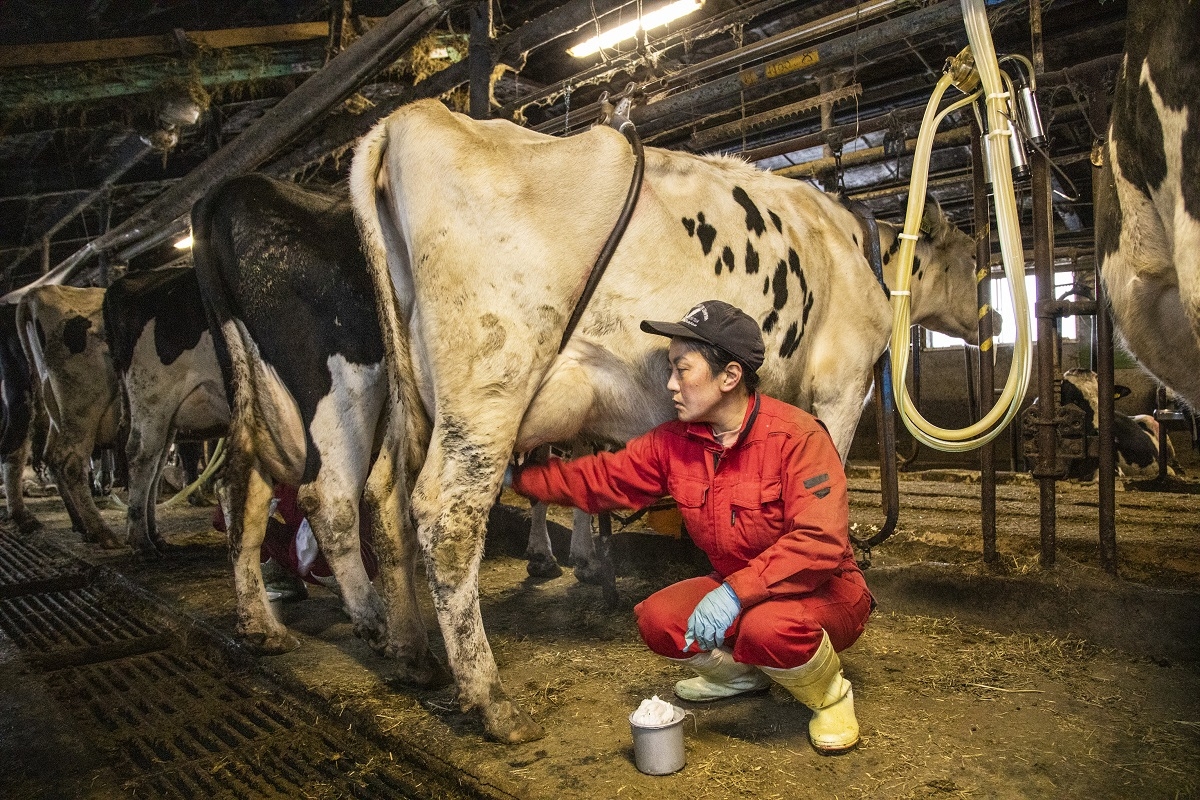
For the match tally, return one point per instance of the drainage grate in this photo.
(59, 629)
(185, 727)
(28, 568)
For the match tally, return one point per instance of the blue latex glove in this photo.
(712, 616)
(508, 477)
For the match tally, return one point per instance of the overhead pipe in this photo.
(377, 48)
(798, 66)
(141, 149)
(764, 48)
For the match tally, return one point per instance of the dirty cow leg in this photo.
(542, 563)
(453, 495)
(396, 548)
(14, 487)
(331, 505)
(245, 499)
(67, 461)
(588, 566)
(144, 451)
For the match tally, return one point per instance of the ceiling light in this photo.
(184, 243)
(654, 19)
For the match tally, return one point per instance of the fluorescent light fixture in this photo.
(184, 243)
(654, 19)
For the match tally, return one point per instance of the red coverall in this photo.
(771, 512)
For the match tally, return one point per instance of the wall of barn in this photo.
(943, 401)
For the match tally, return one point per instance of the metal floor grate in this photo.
(186, 727)
(58, 629)
(28, 568)
(179, 723)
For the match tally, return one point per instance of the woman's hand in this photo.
(712, 616)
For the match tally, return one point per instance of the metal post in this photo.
(1105, 380)
(1160, 404)
(987, 370)
(1047, 469)
(481, 57)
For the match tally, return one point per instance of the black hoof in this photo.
(541, 567)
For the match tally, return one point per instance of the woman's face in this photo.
(694, 389)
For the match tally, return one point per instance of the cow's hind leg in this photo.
(542, 563)
(455, 490)
(144, 451)
(245, 499)
(331, 505)
(396, 548)
(67, 462)
(14, 489)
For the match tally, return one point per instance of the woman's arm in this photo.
(631, 478)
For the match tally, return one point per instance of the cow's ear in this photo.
(933, 221)
(1120, 391)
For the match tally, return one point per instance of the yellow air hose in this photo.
(997, 97)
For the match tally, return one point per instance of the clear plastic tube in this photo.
(997, 100)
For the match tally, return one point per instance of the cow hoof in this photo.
(540, 566)
(145, 549)
(508, 723)
(590, 572)
(425, 672)
(110, 542)
(265, 644)
(29, 524)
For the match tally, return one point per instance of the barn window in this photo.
(1002, 301)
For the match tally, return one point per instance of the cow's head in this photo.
(943, 277)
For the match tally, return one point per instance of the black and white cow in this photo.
(16, 395)
(62, 335)
(292, 311)
(1148, 201)
(1136, 438)
(944, 302)
(480, 240)
(172, 386)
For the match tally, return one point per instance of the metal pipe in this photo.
(987, 346)
(366, 56)
(140, 150)
(1160, 403)
(1105, 385)
(481, 59)
(1047, 468)
(955, 137)
(765, 48)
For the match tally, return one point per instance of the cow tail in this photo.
(214, 293)
(371, 213)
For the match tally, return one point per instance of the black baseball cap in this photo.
(720, 324)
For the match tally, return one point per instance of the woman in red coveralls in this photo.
(762, 491)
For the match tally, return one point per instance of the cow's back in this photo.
(284, 265)
(169, 295)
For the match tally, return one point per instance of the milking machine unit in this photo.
(1011, 107)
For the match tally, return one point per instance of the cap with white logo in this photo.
(720, 324)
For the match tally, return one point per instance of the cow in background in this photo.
(479, 241)
(62, 335)
(292, 311)
(1136, 438)
(172, 386)
(16, 395)
(1148, 199)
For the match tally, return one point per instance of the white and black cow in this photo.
(1136, 438)
(16, 395)
(480, 237)
(943, 300)
(62, 335)
(1148, 201)
(172, 386)
(292, 310)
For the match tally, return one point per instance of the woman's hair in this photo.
(718, 358)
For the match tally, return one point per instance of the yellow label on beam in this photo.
(781, 67)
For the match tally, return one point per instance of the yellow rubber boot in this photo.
(820, 686)
(719, 676)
